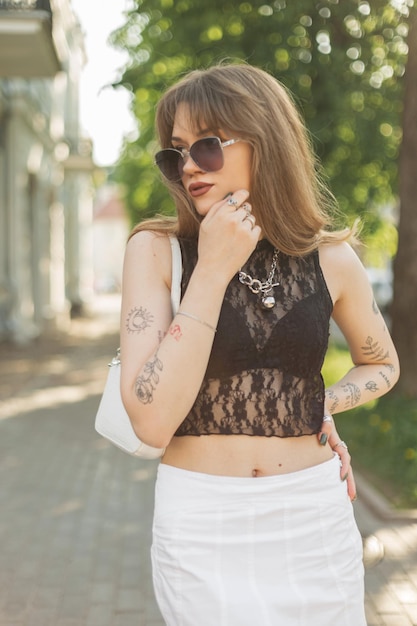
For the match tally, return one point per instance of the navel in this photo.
(256, 473)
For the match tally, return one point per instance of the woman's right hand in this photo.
(228, 235)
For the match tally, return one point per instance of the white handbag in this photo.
(112, 421)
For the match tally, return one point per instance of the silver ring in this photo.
(250, 219)
(327, 418)
(341, 443)
(232, 202)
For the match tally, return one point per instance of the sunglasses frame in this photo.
(183, 153)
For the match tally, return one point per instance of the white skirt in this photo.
(274, 551)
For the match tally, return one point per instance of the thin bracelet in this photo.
(197, 319)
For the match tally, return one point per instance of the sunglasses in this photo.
(207, 154)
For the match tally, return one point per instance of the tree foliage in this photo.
(342, 59)
(404, 327)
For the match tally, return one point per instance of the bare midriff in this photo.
(241, 455)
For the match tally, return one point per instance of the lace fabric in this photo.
(263, 377)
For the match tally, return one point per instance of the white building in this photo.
(46, 265)
(110, 233)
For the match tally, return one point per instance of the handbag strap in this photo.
(176, 274)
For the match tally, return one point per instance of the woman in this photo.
(253, 523)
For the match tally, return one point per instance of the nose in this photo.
(188, 165)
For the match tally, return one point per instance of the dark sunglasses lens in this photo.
(170, 163)
(207, 153)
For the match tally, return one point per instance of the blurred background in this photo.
(79, 80)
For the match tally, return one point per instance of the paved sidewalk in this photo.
(75, 518)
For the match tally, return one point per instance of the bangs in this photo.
(209, 108)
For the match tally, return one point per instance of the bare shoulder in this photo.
(151, 251)
(341, 267)
(148, 242)
(340, 253)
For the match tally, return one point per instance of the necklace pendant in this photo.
(268, 302)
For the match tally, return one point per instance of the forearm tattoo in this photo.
(385, 377)
(353, 395)
(371, 386)
(138, 319)
(334, 400)
(175, 331)
(146, 383)
(373, 350)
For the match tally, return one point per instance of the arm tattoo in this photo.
(138, 319)
(145, 384)
(334, 400)
(371, 386)
(374, 350)
(353, 394)
(175, 331)
(385, 378)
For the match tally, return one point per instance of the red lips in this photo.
(199, 189)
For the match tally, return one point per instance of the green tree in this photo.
(405, 267)
(343, 60)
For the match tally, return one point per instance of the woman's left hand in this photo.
(329, 434)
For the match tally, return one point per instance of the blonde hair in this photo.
(292, 205)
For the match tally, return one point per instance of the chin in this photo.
(202, 209)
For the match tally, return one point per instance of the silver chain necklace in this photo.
(256, 286)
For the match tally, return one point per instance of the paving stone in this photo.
(411, 610)
(129, 600)
(100, 615)
(372, 616)
(130, 619)
(405, 592)
(40, 617)
(396, 620)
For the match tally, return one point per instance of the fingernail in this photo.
(355, 497)
(323, 439)
(345, 476)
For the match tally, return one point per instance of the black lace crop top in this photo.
(263, 377)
